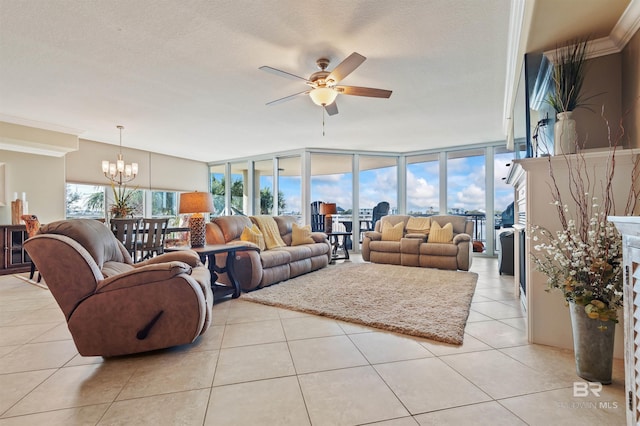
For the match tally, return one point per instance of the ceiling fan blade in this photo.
(281, 73)
(363, 91)
(287, 98)
(332, 108)
(346, 67)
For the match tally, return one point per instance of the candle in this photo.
(15, 196)
(24, 196)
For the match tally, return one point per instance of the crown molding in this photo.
(616, 41)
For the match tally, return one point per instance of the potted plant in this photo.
(568, 74)
(122, 205)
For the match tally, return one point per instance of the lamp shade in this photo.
(328, 208)
(196, 202)
(323, 96)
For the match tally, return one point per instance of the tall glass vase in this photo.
(565, 135)
(592, 345)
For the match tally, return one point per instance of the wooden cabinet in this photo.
(13, 257)
(629, 227)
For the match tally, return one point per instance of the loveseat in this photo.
(256, 269)
(414, 242)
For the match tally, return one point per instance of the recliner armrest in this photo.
(460, 238)
(144, 275)
(319, 237)
(189, 257)
(373, 235)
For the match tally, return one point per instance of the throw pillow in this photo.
(301, 235)
(439, 234)
(392, 232)
(253, 235)
(418, 225)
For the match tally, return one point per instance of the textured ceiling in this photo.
(183, 78)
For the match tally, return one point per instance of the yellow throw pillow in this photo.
(441, 235)
(253, 235)
(392, 232)
(418, 225)
(301, 235)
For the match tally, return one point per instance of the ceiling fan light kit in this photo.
(323, 96)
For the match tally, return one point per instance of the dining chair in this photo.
(152, 233)
(126, 231)
(317, 219)
(32, 225)
(381, 209)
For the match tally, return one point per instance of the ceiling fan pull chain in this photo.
(323, 121)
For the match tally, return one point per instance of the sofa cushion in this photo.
(296, 252)
(253, 235)
(418, 225)
(392, 232)
(439, 249)
(385, 246)
(271, 258)
(441, 235)
(269, 229)
(301, 235)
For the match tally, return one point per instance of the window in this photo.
(423, 179)
(465, 182)
(332, 182)
(289, 186)
(378, 183)
(164, 204)
(217, 185)
(85, 201)
(264, 174)
(238, 195)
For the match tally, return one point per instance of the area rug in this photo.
(422, 302)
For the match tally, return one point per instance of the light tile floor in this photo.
(259, 365)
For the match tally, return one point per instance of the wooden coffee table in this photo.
(207, 256)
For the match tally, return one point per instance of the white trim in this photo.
(627, 25)
(517, 27)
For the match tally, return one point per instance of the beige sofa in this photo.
(255, 269)
(416, 250)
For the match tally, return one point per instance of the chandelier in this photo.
(119, 172)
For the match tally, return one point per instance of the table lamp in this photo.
(196, 203)
(328, 209)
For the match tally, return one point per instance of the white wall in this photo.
(41, 177)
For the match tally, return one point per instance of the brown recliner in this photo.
(112, 306)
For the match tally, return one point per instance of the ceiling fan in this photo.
(324, 84)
